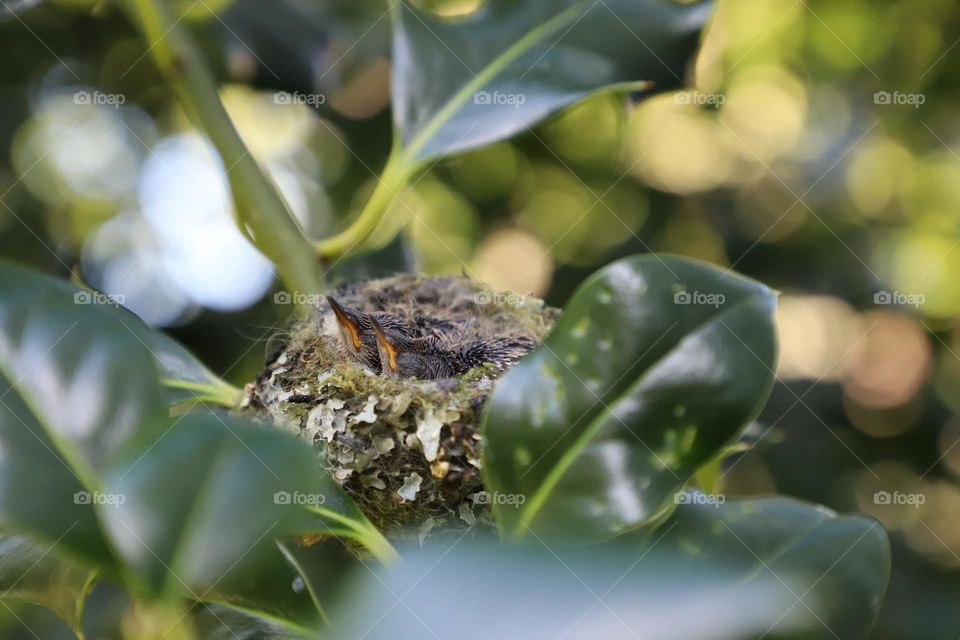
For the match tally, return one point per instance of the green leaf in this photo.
(656, 364)
(185, 379)
(461, 84)
(689, 580)
(74, 386)
(836, 566)
(204, 502)
(33, 573)
(97, 467)
(279, 591)
(212, 622)
(340, 516)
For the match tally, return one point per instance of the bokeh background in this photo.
(818, 154)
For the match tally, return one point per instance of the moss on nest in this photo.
(407, 450)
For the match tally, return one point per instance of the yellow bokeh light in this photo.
(926, 267)
(815, 333)
(889, 362)
(365, 93)
(692, 238)
(515, 260)
(590, 132)
(764, 113)
(578, 221)
(486, 173)
(877, 173)
(935, 533)
(883, 423)
(451, 8)
(676, 147)
(268, 126)
(888, 478)
(934, 187)
(442, 229)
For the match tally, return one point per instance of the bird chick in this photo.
(360, 342)
(356, 333)
(433, 357)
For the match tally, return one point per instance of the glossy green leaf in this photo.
(464, 83)
(74, 386)
(461, 84)
(689, 580)
(657, 363)
(835, 566)
(205, 501)
(33, 573)
(278, 591)
(212, 622)
(190, 506)
(185, 379)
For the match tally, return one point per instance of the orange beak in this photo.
(348, 325)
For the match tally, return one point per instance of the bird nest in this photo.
(406, 449)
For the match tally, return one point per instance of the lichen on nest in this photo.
(407, 450)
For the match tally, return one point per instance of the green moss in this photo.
(407, 450)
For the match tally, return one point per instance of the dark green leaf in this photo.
(192, 506)
(212, 622)
(74, 386)
(33, 573)
(278, 591)
(688, 581)
(205, 500)
(461, 84)
(593, 433)
(837, 566)
(184, 378)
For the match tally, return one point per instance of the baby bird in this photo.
(359, 341)
(433, 357)
(356, 333)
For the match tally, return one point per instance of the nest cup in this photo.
(407, 450)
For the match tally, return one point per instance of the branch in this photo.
(262, 213)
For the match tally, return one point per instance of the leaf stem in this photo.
(262, 213)
(364, 533)
(220, 393)
(390, 184)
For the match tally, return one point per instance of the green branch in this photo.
(262, 213)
